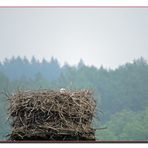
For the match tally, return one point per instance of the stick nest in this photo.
(48, 114)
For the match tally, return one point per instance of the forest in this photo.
(121, 94)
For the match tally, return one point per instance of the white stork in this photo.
(62, 90)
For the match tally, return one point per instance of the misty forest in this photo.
(121, 94)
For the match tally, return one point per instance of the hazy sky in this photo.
(100, 36)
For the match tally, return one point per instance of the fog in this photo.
(100, 36)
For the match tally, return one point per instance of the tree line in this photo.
(121, 94)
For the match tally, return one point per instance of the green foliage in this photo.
(121, 94)
(4, 81)
(126, 125)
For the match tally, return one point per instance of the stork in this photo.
(62, 90)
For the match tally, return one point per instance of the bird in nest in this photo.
(62, 90)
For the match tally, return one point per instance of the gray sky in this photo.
(100, 36)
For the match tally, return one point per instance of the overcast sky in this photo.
(100, 36)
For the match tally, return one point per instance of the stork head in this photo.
(62, 90)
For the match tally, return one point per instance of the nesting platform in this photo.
(52, 115)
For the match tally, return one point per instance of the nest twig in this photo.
(47, 113)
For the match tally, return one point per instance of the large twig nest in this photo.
(45, 113)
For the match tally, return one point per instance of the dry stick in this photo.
(66, 104)
(21, 120)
